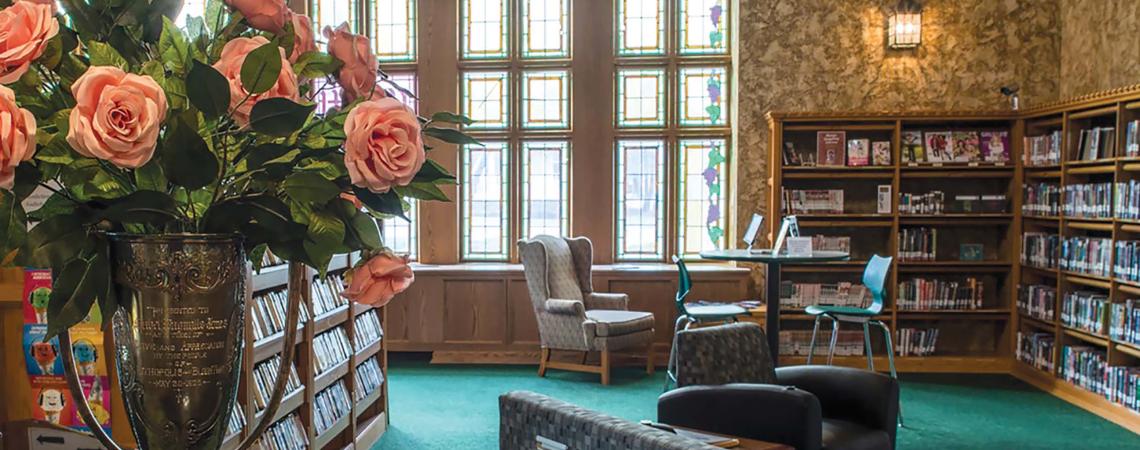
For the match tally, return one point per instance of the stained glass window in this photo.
(703, 91)
(641, 27)
(399, 234)
(641, 97)
(702, 198)
(326, 95)
(546, 188)
(485, 201)
(485, 26)
(394, 29)
(332, 13)
(641, 208)
(485, 98)
(190, 8)
(546, 28)
(703, 26)
(546, 99)
(403, 86)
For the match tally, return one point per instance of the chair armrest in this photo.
(765, 412)
(600, 300)
(864, 397)
(565, 307)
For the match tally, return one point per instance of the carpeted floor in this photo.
(456, 407)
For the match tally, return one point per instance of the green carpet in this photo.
(456, 407)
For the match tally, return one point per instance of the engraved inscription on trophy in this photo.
(182, 347)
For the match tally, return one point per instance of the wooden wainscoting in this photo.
(481, 313)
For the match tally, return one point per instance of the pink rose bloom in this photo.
(117, 116)
(229, 64)
(265, 15)
(378, 280)
(25, 29)
(382, 146)
(303, 39)
(17, 136)
(357, 77)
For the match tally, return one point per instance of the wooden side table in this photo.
(745, 444)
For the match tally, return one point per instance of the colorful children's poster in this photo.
(87, 346)
(98, 394)
(41, 357)
(37, 293)
(53, 401)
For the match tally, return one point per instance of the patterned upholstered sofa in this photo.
(527, 420)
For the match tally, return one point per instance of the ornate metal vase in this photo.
(178, 337)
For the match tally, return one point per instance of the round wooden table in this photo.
(772, 300)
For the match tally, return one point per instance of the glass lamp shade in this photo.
(904, 27)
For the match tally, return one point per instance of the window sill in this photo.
(639, 268)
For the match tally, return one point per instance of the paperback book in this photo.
(830, 149)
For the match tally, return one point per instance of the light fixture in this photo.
(904, 26)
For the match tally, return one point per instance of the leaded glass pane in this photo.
(640, 207)
(484, 30)
(190, 8)
(546, 188)
(394, 29)
(703, 91)
(485, 99)
(403, 86)
(641, 97)
(485, 207)
(704, 26)
(546, 29)
(399, 234)
(326, 95)
(332, 13)
(701, 195)
(641, 27)
(546, 99)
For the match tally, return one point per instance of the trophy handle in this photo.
(77, 393)
(298, 289)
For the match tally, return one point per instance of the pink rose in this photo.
(357, 77)
(303, 39)
(17, 137)
(352, 199)
(229, 64)
(117, 116)
(265, 15)
(382, 146)
(25, 29)
(378, 280)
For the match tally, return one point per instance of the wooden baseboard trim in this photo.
(630, 358)
(1083, 399)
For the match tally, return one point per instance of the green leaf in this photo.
(142, 206)
(208, 90)
(366, 231)
(422, 190)
(174, 47)
(261, 67)
(151, 177)
(448, 117)
(103, 54)
(451, 136)
(55, 241)
(215, 15)
(155, 71)
(186, 159)
(434, 173)
(13, 223)
(314, 65)
(309, 187)
(387, 203)
(279, 116)
(55, 205)
(325, 228)
(268, 154)
(53, 52)
(74, 291)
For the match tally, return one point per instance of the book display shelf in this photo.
(340, 400)
(1016, 237)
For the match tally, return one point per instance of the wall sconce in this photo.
(904, 26)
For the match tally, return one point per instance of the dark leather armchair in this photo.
(807, 407)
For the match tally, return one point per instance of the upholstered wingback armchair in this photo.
(571, 316)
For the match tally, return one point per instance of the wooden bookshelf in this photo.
(985, 339)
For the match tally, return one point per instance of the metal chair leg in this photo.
(834, 340)
(867, 347)
(891, 361)
(814, 331)
(671, 365)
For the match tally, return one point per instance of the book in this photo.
(858, 153)
(966, 146)
(995, 146)
(912, 147)
(791, 156)
(937, 146)
(883, 205)
(829, 148)
(1132, 138)
(881, 153)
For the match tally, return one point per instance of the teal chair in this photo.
(875, 280)
(687, 315)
